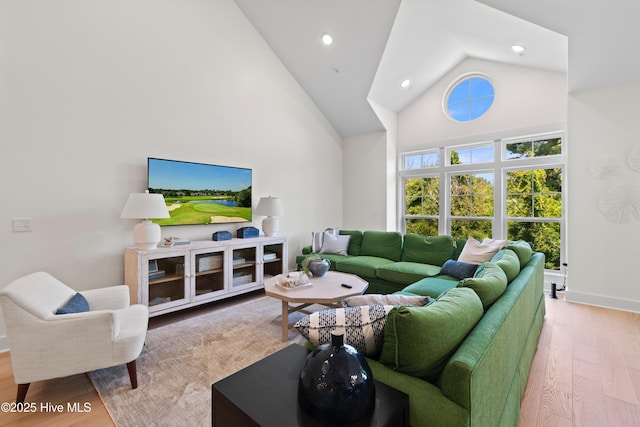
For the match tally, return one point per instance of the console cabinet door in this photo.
(244, 267)
(164, 281)
(274, 259)
(208, 278)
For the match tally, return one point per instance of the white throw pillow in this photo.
(334, 244)
(385, 299)
(475, 252)
(317, 238)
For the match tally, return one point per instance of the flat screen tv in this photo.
(199, 193)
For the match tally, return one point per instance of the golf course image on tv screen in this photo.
(200, 193)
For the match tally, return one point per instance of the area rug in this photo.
(181, 360)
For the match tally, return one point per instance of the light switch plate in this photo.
(21, 225)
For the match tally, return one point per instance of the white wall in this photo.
(389, 120)
(90, 89)
(525, 99)
(603, 124)
(365, 183)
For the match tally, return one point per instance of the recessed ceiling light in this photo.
(405, 84)
(518, 48)
(327, 39)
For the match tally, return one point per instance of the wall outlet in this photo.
(21, 225)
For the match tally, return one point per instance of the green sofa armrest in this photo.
(306, 250)
(428, 406)
(494, 351)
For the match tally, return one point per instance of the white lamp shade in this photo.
(145, 206)
(146, 235)
(269, 206)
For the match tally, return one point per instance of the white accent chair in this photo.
(45, 345)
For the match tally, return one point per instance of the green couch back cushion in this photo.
(489, 283)
(523, 250)
(354, 242)
(418, 341)
(434, 250)
(383, 244)
(509, 262)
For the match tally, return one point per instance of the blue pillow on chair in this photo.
(77, 304)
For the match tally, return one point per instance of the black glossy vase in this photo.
(319, 267)
(336, 384)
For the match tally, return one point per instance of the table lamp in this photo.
(271, 207)
(146, 234)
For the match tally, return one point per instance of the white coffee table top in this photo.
(324, 290)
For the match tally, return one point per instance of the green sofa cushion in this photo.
(418, 341)
(509, 262)
(431, 286)
(382, 244)
(363, 266)
(355, 242)
(489, 283)
(523, 250)
(434, 250)
(406, 272)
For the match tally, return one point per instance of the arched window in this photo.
(469, 98)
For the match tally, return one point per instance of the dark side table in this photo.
(266, 394)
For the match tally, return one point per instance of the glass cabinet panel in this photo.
(272, 260)
(209, 273)
(166, 280)
(244, 267)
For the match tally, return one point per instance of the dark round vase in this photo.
(319, 267)
(336, 384)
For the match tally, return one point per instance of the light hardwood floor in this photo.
(586, 372)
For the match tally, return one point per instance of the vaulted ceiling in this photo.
(380, 43)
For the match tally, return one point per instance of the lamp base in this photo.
(146, 235)
(270, 226)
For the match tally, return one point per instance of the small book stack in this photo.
(174, 241)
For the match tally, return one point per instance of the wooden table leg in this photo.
(285, 321)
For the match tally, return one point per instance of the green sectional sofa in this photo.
(390, 261)
(464, 359)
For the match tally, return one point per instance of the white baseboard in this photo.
(4, 344)
(603, 301)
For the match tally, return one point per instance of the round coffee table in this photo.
(326, 290)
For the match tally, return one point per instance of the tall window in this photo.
(534, 210)
(506, 189)
(422, 205)
(471, 205)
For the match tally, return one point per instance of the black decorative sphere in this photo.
(336, 384)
